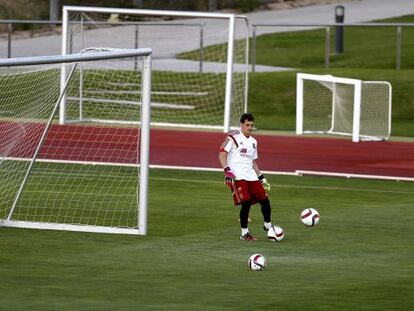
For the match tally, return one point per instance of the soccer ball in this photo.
(257, 262)
(275, 233)
(310, 217)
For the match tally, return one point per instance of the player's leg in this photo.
(259, 194)
(241, 197)
(244, 215)
(267, 213)
(244, 220)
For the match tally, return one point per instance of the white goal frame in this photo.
(227, 111)
(357, 105)
(144, 135)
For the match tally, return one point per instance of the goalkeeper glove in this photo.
(229, 177)
(265, 184)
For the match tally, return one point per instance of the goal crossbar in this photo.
(146, 12)
(72, 58)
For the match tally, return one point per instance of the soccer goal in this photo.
(342, 106)
(80, 177)
(200, 64)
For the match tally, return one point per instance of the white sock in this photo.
(268, 225)
(244, 231)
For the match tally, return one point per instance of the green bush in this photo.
(247, 5)
(25, 9)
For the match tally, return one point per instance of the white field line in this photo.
(138, 93)
(132, 103)
(71, 162)
(161, 84)
(346, 175)
(208, 169)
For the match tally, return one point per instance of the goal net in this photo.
(200, 64)
(341, 106)
(79, 177)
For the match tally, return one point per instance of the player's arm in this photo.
(223, 159)
(228, 174)
(261, 177)
(256, 168)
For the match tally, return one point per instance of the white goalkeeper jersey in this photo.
(241, 152)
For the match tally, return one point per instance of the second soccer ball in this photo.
(257, 262)
(275, 234)
(309, 217)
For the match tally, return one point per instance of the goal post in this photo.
(200, 61)
(341, 106)
(89, 177)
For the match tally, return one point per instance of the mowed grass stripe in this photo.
(106, 172)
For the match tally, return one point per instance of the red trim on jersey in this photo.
(223, 150)
(234, 140)
(224, 144)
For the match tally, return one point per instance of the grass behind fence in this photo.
(358, 257)
(364, 47)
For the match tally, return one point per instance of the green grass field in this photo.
(359, 257)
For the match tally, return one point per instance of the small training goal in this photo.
(332, 105)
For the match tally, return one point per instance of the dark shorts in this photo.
(248, 190)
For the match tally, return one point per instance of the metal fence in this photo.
(266, 28)
(10, 26)
(297, 27)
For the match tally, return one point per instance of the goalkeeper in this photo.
(237, 156)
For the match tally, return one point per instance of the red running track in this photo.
(289, 153)
(200, 149)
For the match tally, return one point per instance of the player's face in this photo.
(247, 128)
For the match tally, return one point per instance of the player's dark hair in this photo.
(246, 116)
